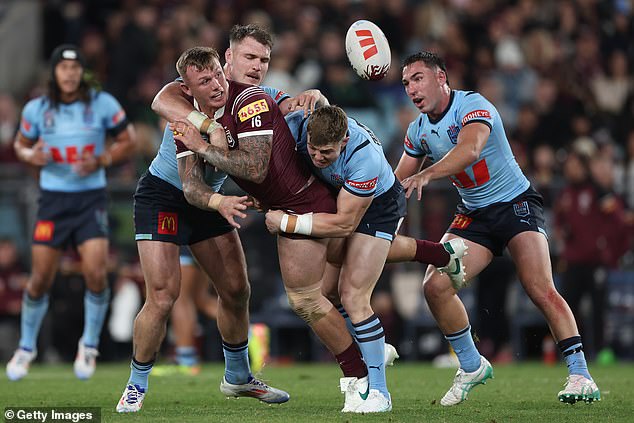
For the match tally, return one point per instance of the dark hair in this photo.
(67, 52)
(261, 35)
(198, 57)
(431, 60)
(327, 125)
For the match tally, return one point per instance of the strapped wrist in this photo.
(293, 224)
(204, 124)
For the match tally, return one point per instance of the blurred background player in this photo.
(64, 133)
(462, 133)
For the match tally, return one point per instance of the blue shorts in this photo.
(70, 218)
(161, 213)
(385, 214)
(495, 225)
(186, 258)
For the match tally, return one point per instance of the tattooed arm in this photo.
(249, 162)
(191, 169)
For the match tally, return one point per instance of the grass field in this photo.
(519, 393)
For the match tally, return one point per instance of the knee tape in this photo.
(308, 302)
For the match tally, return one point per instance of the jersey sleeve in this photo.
(362, 172)
(410, 144)
(277, 95)
(253, 111)
(114, 117)
(476, 108)
(30, 122)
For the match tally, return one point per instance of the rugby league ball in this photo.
(368, 50)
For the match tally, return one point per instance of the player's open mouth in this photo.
(417, 101)
(214, 97)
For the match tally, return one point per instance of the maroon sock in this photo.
(351, 363)
(431, 253)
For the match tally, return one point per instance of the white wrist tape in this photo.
(302, 224)
(203, 123)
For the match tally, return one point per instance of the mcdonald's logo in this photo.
(461, 222)
(365, 42)
(44, 230)
(167, 223)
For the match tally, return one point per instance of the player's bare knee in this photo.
(96, 279)
(308, 303)
(435, 288)
(162, 300)
(235, 296)
(38, 284)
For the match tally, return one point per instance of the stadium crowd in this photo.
(560, 73)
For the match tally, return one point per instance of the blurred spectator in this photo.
(13, 278)
(587, 218)
(8, 127)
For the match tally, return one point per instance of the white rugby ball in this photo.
(368, 50)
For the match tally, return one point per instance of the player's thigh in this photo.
(529, 251)
(302, 260)
(44, 265)
(94, 255)
(222, 259)
(363, 264)
(160, 266)
(330, 283)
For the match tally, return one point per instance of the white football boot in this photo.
(464, 382)
(455, 268)
(18, 366)
(85, 361)
(579, 388)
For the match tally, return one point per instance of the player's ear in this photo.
(228, 55)
(441, 76)
(345, 141)
(186, 89)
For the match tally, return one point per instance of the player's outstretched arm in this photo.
(250, 161)
(471, 140)
(307, 101)
(350, 210)
(171, 103)
(199, 194)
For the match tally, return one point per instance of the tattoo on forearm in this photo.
(250, 161)
(191, 170)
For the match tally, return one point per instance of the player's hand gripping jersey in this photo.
(288, 185)
(495, 176)
(69, 132)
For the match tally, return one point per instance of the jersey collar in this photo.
(435, 121)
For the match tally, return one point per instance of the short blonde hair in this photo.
(198, 57)
(327, 125)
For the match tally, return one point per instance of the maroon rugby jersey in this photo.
(249, 111)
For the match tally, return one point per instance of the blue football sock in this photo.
(139, 373)
(371, 339)
(33, 312)
(572, 350)
(465, 349)
(186, 356)
(95, 309)
(345, 316)
(237, 370)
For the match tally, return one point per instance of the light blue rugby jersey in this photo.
(361, 169)
(493, 177)
(69, 131)
(165, 165)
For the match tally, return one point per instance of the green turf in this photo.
(519, 393)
